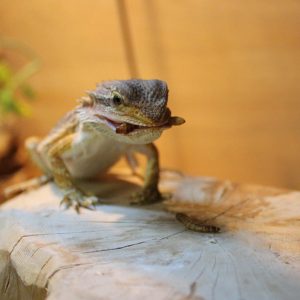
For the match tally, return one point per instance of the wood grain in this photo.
(121, 251)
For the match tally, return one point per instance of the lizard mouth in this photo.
(127, 128)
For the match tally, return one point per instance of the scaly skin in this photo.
(117, 118)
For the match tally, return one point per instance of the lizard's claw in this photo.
(149, 196)
(77, 200)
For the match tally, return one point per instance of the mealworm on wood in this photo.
(196, 225)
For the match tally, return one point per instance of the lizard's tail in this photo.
(25, 186)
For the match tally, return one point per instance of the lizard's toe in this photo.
(90, 202)
(77, 200)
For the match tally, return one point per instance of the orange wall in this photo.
(233, 70)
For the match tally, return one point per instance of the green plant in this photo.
(14, 89)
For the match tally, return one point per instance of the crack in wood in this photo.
(138, 243)
(44, 234)
(43, 266)
(171, 235)
(15, 245)
(7, 283)
(200, 273)
(115, 248)
(38, 248)
(64, 268)
(196, 261)
(214, 264)
(154, 239)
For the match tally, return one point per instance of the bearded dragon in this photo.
(118, 118)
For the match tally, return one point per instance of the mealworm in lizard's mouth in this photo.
(126, 128)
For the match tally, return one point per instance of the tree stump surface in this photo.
(119, 251)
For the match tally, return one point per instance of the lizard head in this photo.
(133, 111)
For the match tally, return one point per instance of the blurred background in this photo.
(233, 70)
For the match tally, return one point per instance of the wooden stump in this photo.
(120, 251)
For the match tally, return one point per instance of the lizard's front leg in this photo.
(150, 192)
(62, 177)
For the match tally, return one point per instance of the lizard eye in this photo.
(117, 99)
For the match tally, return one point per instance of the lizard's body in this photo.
(90, 153)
